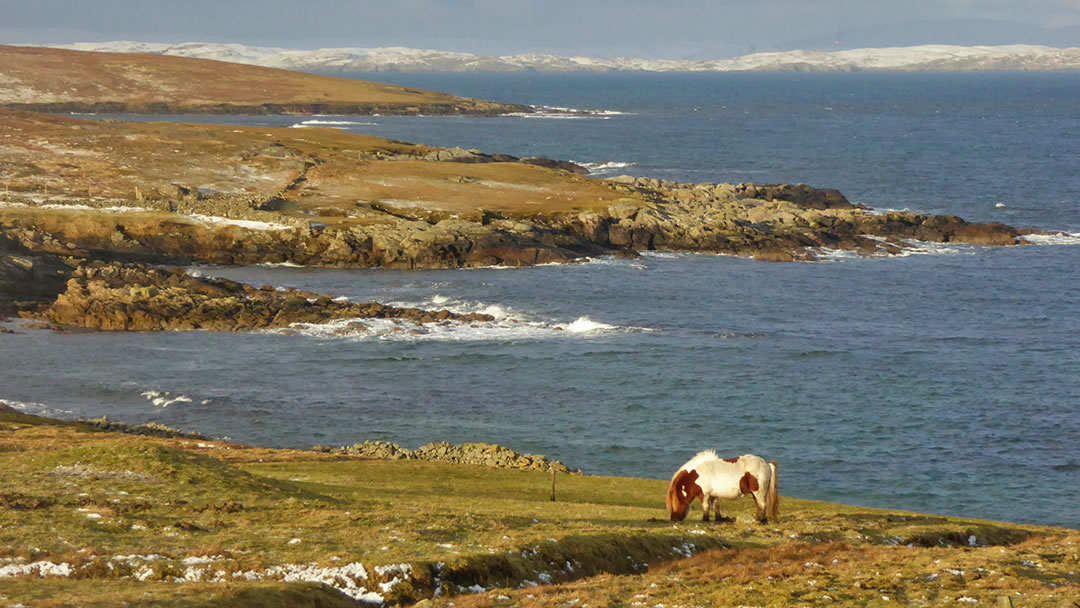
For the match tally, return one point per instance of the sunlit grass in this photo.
(213, 511)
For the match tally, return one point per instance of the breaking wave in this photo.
(1061, 238)
(164, 399)
(37, 409)
(332, 123)
(506, 324)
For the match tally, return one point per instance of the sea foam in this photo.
(38, 409)
(506, 324)
(164, 399)
(1061, 238)
(333, 123)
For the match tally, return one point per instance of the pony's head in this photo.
(682, 491)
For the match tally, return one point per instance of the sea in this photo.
(945, 380)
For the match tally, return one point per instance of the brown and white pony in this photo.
(710, 478)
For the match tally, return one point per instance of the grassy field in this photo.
(98, 518)
(64, 80)
(322, 174)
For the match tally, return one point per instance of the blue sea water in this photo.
(944, 381)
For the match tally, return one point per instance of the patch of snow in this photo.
(929, 57)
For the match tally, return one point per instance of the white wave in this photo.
(565, 110)
(454, 305)
(604, 168)
(38, 409)
(584, 325)
(501, 329)
(837, 255)
(552, 116)
(332, 123)
(164, 399)
(281, 265)
(666, 255)
(1061, 238)
(563, 113)
(914, 248)
(884, 210)
(338, 122)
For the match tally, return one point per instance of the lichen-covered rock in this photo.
(778, 222)
(132, 297)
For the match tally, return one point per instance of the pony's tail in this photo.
(772, 497)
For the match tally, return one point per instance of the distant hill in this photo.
(54, 79)
(931, 57)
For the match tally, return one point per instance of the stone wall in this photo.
(484, 454)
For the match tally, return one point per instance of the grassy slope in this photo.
(78, 159)
(34, 75)
(73, 495)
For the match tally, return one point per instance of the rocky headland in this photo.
(78, 193)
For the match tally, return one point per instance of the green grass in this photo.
(74, 495)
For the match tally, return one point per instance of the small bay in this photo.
(946, 381)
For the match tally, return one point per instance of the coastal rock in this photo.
(28, 277)
(131, 297)
(561, 165)
(767, 222)
(778, 222)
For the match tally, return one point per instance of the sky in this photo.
(665, 29)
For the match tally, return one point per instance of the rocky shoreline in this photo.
(767, 222)
(129, 297)
(264, 109)
(86, 268)
(323, 198)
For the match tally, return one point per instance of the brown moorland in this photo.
(62, 80)
(310, 173)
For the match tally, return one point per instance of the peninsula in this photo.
(55, 80)
(171, 193)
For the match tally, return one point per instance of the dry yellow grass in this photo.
(313, 171)
(145, 82)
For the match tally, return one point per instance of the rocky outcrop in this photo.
(484, 454)
(460, 155)
(394, 242)
(28, 277)
(117, 297)
(767, 222)
(153, 429)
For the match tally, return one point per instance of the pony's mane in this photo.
(700, 457)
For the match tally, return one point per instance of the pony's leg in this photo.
(707, 504)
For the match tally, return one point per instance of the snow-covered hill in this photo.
(934, 57)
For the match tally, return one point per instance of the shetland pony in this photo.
(710, 478)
